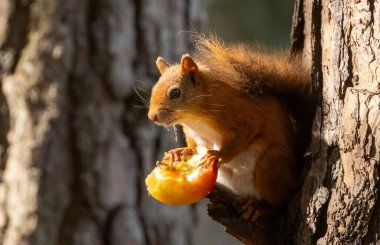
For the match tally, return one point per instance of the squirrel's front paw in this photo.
(179, 154)
(210, 157)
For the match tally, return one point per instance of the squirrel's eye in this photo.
(174, 93)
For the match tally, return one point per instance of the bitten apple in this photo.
(182, 182)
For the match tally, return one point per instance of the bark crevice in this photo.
(297, 34)
(16, 35)
(4, 129)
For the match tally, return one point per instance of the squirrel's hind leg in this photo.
(251, 209)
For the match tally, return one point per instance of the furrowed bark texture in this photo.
(74, 148)
(338, 202)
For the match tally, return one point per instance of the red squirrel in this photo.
(252, 109)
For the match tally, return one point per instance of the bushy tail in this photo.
(259, 72)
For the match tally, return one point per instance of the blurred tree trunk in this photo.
(339, 201)
(74, 148)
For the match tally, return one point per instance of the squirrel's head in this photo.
(178, 93)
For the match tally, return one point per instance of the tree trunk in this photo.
(338, 202)
(74, 147)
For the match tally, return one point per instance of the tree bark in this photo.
(74, 147)
(339, 196)
(338, 202)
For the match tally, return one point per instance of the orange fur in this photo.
(251, 106)
(260, 72)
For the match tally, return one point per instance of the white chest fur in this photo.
(203, 134)
(237, 174)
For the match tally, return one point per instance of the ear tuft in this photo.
(162, 65)
(188, 65)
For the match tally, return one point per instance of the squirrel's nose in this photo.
(152, 116)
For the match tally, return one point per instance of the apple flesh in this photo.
(183, 182)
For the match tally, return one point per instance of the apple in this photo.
(182, 182)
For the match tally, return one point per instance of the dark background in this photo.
(264, 21)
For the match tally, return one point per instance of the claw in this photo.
(166, 157)
(177, 155)
(201, 162)
(186, 153)
(209, 158)
(253, 209)
(171, 159)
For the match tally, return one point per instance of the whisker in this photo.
(143, 90)
(146, 106)
(143, 100)
(208, 113)
(145, 85)
(214, 104)
(199, 96)
(141, 106)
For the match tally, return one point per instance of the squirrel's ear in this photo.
(188, 65)
(162, 65)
